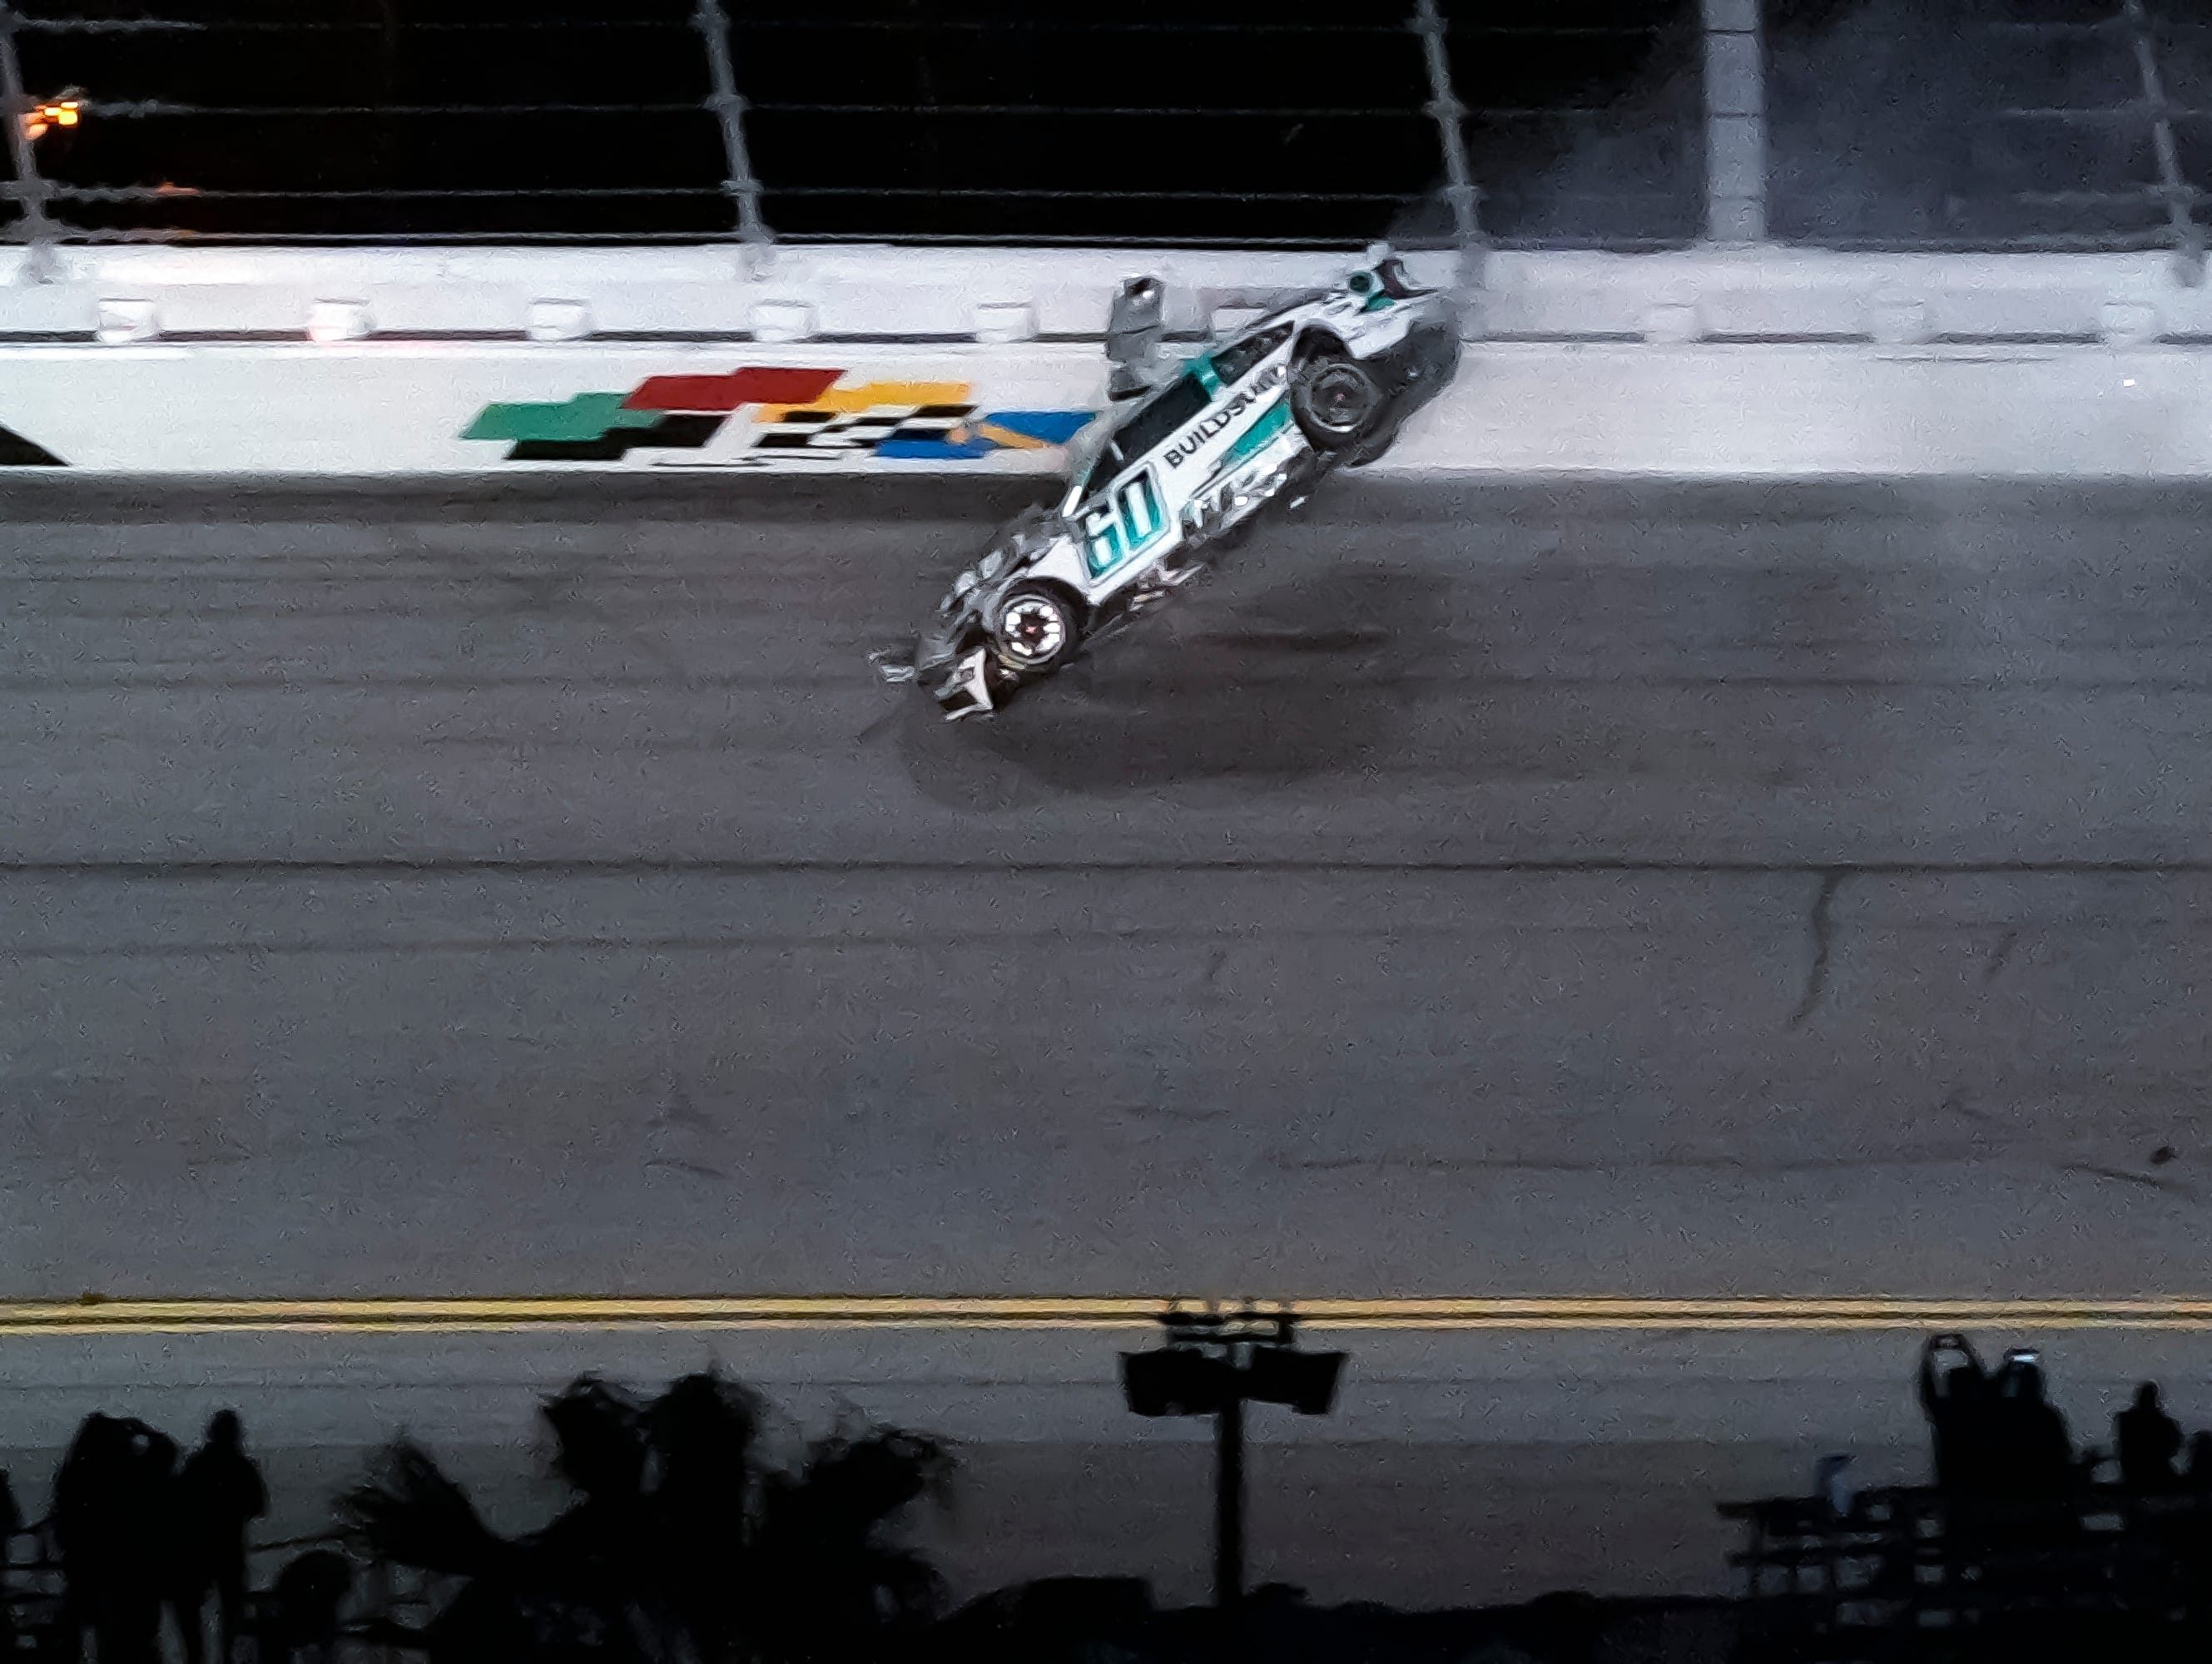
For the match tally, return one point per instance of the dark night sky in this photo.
(1283, 175)
(1886, 117)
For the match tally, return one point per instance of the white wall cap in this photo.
(2129, 323)
(1004, 322)
(1675, 322)
(781, 320)
(1896, 319)
(559, 321)
(338, 320)
(125, 321)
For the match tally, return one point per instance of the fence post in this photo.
(1735, 122)
(729, 108)
(2173, 183)
(1445, 109)
(31, 191)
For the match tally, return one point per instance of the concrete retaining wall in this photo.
(379, 361)
(375, 407)
(1708, 412)
(908, 294)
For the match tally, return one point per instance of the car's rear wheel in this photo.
(1337, 401)
(1370, 448)
(1035, 628)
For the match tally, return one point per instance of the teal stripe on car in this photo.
(1202, 367)
(1270, 422)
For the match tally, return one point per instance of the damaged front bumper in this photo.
(963, 678)
(965, 687)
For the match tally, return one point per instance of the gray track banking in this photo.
(1470, 888)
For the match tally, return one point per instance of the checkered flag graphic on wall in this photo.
(860, 430)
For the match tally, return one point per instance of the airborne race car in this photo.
(1325, 379)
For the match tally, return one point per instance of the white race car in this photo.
(1322, 380)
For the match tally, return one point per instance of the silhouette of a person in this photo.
(146, 1548)
(90, 1495)
(2033, 1451)
(2032, 1467)
(185, 1562)
(1958, 1405)
(2148, 1440)
(223, 1493)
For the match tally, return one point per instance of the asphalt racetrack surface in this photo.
(1576, 890)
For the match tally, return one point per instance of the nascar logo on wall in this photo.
(789, 416)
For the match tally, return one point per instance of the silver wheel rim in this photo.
(1339, 398)
(1032, 630)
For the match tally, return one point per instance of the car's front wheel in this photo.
(1035, 628)
(1337, 401)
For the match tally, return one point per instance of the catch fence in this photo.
(1621, 124)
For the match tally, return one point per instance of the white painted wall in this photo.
(378, 407)
(1698, 410)
(1738, 412)
(886, 292)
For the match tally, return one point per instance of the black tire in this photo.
(1370, 448)
(1036, 629)
(1337, 401)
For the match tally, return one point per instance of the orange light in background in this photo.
(54, 112)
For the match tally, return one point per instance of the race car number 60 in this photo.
(1113, 532)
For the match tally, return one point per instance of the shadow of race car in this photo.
(1321, 381)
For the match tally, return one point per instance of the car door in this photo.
(1129, 517)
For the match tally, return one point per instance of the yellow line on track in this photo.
(101, 1316)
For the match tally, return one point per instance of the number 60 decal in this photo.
(1130, 523)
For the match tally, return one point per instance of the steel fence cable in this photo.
(2052, 26)
(154, 108)
(1510, 31)
(172, 235)
(1059, 24)
(320, 25)
(156, 193)
(1286, 113)
(2142, 193)
(1045, 194)
(1100, 240)
(1505, 112)
(1071, 25)
(2137, 111)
